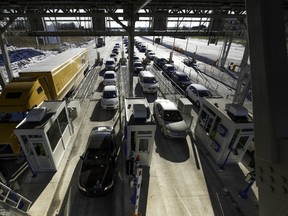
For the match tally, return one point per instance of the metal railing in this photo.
(13, 201)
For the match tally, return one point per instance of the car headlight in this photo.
(109, 186)
(168, 130)
(81, 188)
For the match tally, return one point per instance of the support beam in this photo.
(2, 79)
(6, 58)
(140, 4)
(131, 54)
(268, 55)
(244, 80)
(225, 50)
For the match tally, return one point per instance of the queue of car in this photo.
(98, 170)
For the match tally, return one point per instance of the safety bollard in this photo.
(244, 193)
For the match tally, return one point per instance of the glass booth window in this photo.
(63, 121)
(39, 149)
(242, 142)
(54, 135)
(206, 119)
(143, 145)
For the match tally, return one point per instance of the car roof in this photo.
(199, 87)
(147, 73)
(169, 65)
(166, 104)
(110, 72)
(110, 59)
(181, 73)
(109, 88)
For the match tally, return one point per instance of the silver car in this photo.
(196, 92)
(109, 99)
(170, 119)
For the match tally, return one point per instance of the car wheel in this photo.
(197, 103)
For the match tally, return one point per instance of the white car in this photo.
(109, 78)
(148, 82)
(110, 98)
(196, 92)
(170, 119)
(110, 64)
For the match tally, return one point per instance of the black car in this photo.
(180, 80)
(115, 50)
(160, 62)
(114, 55)
(168, 69)
(138, 66)
(97, 172)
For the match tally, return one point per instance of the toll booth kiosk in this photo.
(226, 130)
(139, 131)
(44, 135)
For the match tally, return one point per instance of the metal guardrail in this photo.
(14, 201)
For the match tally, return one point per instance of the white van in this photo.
(148, 82)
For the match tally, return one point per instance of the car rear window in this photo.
(109, 76)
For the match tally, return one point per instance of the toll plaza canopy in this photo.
(164, 17)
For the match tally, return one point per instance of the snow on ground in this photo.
(23, 57)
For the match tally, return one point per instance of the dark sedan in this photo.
(168, 69)
(138, 66)
(97, 173)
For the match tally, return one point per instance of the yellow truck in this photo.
(51, 79)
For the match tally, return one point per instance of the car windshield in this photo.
(149, 80)
(109, 94)
(204, 93)
(172, 116)
(184, 78)
(109, 76)
(109, 62)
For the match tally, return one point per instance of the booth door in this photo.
(39, 157)
(143, 149)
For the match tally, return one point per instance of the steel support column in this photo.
(131, 28)
(225, 50)
(244, 80)
(6, 57)
(268, 54)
